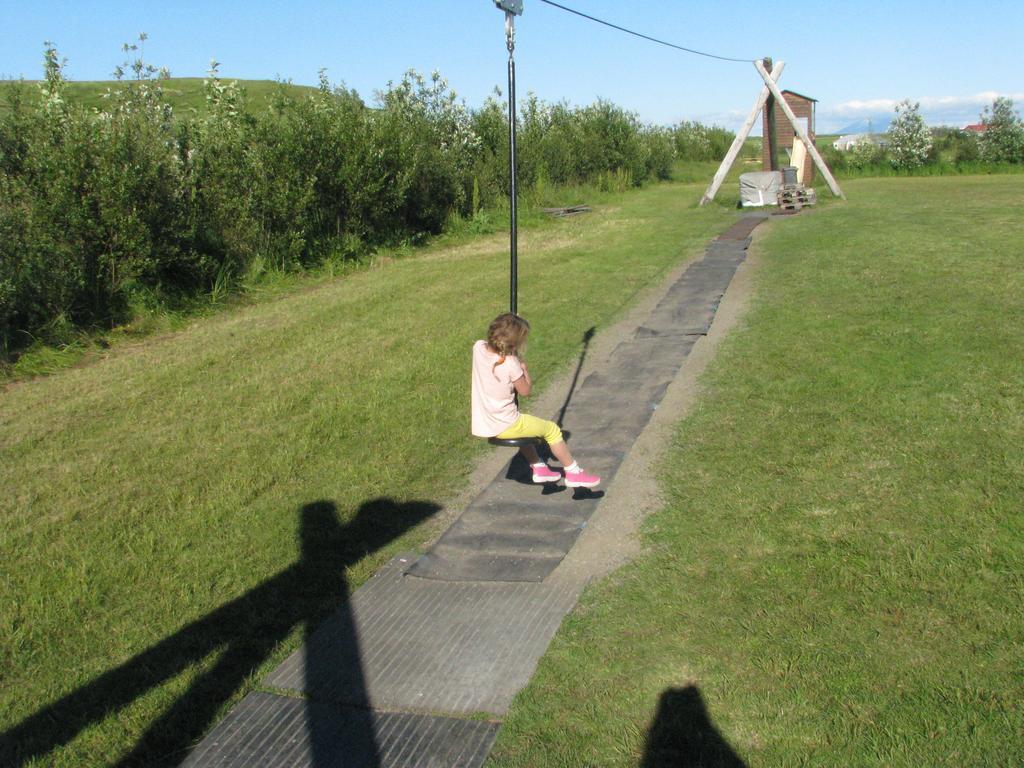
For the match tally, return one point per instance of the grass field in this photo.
(836, 576)
(181, 479)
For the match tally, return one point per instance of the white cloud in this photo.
(983, 99)
(858, 108)
(936, 110)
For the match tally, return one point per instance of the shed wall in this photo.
(784, 133)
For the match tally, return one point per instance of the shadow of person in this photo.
(683, 735)
(243, 633)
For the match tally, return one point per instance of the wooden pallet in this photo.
(793, 197)
(571, 210)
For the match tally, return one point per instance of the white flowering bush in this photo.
(1002, 141)
(910, 140)
(52, 87)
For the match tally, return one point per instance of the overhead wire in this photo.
(645, 37)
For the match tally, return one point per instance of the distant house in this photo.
(976, 128)
(846, 143)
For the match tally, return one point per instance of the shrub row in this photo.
(952, 151)
(909, 145)
(101, 210)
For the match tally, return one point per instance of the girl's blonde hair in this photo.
(507, 336)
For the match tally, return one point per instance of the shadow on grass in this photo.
(683, 735)
(244, 632)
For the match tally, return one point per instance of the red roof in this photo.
(976, 128)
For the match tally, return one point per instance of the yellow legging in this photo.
(530, 426)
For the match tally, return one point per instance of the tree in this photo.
(910, 141)
(866, 154)
(1002, 141)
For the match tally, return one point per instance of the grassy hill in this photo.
(183, 93)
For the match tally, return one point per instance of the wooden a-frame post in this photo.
(741, 136)
(812, 150)
(771, 136)
(730, 157)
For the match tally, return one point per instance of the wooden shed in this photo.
(803, 108)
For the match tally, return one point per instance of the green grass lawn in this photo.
(835, 578)
(148, 490)
(837, 575)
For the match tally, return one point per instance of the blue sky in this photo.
(858, 58)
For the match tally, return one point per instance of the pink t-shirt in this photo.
(494, 402)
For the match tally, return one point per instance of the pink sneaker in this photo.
(542, 473)
(581, 480)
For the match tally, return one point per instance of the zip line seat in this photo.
(516, 442)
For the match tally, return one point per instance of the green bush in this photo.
(660, 152)
(419, 163)
(92, 204)
(834, 159)
(956, 146)
(865, 155)
(698, 142)
(489, 125)
(104, 209)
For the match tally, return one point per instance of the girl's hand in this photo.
(523, 385)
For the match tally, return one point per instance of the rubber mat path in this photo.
(419, 666)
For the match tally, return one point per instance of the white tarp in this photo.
(760, 188)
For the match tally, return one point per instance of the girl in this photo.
(499, 374)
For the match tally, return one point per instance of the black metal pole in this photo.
(513, 270)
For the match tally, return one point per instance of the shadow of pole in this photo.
(587, 336)
(682, 734)
(330, 732)
(244, 632)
